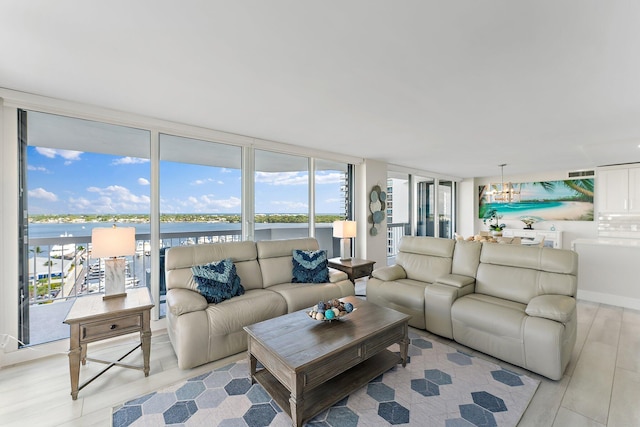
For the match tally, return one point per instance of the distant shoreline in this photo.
(172, 218)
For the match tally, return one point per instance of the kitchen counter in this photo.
(608, 271)
(607, 241)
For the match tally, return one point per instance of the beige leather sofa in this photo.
(201, 332)
(512, 302)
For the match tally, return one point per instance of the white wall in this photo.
(374, 248)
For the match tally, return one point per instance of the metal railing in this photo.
(395, 233)
(62, 267)
(57, 280)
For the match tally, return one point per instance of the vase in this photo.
(496, 233)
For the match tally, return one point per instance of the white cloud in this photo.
(37, 168)
(205, 181)
(116, 198)
(291, 205)
(212, 202)
(282, 178)
(201, 181)
(41, 193)
(51, 153)
(334, 200)
(129, 161)
(329, 178)
(143, 181)
(207, 203)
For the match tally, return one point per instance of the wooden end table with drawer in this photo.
(354, 267)
(93, 318)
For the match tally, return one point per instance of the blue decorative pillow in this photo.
(310, 266)
(217, 281)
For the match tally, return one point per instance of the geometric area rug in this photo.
(440, 386)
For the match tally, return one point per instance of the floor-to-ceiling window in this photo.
(398, 211)
(281, 195)
(425, 206)
(445, 208)
(77, 175)
(332, 201)
(200, 194)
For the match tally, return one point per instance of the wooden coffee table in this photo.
(310, 365)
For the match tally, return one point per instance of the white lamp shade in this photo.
(344, 229)
(113, 242)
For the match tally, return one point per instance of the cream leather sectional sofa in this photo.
(202, 332)
(516, 303)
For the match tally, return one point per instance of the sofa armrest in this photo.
(388, 274)
(181, 301)
(336, 276)
(456, 280)
(554, 307)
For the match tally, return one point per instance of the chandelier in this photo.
(506, 193)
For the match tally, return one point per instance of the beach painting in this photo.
(567, 200)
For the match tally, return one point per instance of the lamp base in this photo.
(114, 285)
(345, 249)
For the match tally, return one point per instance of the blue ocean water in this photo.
(515, 208)
(38, 230)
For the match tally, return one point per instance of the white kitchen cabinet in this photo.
(618, 189)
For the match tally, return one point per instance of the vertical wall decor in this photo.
(377, 199)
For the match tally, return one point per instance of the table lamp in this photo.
(111, 243)
(344, 230)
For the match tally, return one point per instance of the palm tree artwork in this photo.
(562, 200)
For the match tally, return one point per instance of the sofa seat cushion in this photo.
(404, 295)
(301, 296)
(491, 325)
(232, 315)
(499, 316)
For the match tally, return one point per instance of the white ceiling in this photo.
(454, 87)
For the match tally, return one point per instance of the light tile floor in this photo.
(600, 387)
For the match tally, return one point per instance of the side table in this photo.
(354, 267)
(93, 319)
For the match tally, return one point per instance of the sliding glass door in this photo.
(77, 175)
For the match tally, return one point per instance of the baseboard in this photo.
(610, 299)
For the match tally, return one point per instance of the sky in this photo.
(75, 182)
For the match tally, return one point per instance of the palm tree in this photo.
(584, 187)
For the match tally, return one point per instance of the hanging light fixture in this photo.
(506, 192)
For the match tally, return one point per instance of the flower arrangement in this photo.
(491, 219)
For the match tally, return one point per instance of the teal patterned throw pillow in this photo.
(310, 266)
(217, 281)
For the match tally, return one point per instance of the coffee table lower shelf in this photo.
(325, 395)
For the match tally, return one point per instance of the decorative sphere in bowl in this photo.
(330, 310)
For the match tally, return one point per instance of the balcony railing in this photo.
(395, 233)
(64, 270)
(62, 267)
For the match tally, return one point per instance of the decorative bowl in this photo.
(327, 311)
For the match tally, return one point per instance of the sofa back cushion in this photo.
(180, 259)
(425, 258)
(519, 273)
(276, 258)
(466, 258)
